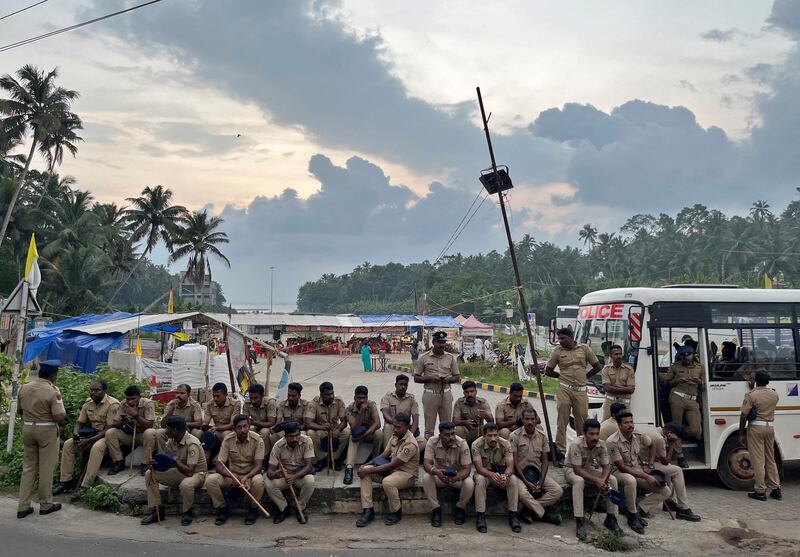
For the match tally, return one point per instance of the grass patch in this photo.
(503, 375)
(609, 541)
(102, 498)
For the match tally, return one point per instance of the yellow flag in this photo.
(767, 281)
(183, 337)
(171, 303)
(138, 351)
(33, 255)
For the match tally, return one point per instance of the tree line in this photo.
(93, 256)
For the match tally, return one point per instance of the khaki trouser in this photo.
(576, 403)
(388, 431)
(551, 494)
(578, 485)
(319, 436)
(275, 489)
(607, 408)
(392, 484)
(689, 409)
(482, 484)
(40, 458)
(96, 454)
(187, 485)
(654, 497)
(352, 447)
(116, 439)
(761, 445)
(678, 490)
(436, 404)
(68, 453)
(430, 483)
(215, 483)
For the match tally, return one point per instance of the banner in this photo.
(236, 350)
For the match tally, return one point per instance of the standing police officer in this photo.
(759, 437)
(437, 370)
(618, 382)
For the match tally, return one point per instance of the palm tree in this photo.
(64, 137)
(588, 234)
(36, 106)
(198, 239)
(74, 223)
(760, 211)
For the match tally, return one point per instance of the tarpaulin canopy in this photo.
(473, 327)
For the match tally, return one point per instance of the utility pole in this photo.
(520, 291)
(271, 280)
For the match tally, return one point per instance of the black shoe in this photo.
(26, 512)
(436, 517)
(280, 516)
(682, 462)
(366, 517)
(580, 529)
(513, 521)
(776, 494)
(480, 522)
(142, 469)
(393, 518)
(611, 523)
(459, 515)
(320, 466)
(251, 517)
(757, 496)
(348, 475)
(338, 465)
(222, 516)
(116, 468)
(642, 516)
(77, 495)
(687, 514)
(187, 517)
(551, 517)
(560, 459)
(526, 515)
(61, 487)
(156, 515)
(635, 524)
(54, 508)
(671, 505)
(302, 518)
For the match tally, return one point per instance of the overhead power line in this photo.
(23, 9)
(73, 27)
(462, 225)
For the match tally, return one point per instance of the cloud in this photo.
(724, 36)
(686, 84)
(785, 16)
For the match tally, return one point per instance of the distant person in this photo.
(414, 351)
(477, 348)
(366, 357)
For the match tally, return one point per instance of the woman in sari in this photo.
(366, 357)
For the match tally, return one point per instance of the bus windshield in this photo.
(603, 326)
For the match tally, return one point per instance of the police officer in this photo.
(42, 410)
(221, 410)
(618, 382)
(327, 414)
(187, 472)
(396, 402)
(758, 436)
(295, 452)
(508, 412)
(494, 465)
(572, 359)
(686, 378)
(293, 409)
(447, 464)
(263, 414)
(665, 439)
(608, 426)
(436, 370)
(182, 405)
(134, 417)
(364, 421)
(470, 412)
(97, 414)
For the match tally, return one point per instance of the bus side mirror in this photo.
(552, 338)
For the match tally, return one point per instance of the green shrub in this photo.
(10, 463)
(610, 541)
(6, 370)
(102, 498)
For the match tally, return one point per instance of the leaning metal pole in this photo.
(521, 293)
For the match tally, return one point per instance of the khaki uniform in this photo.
(761, 437)
(528, 451)
(683, 398)
(633, 453)
(608, 427)
(407, 450)
(592, 461)
(571, 395)
(116, 438)
(675, 473)
(622, 376)
(437, 400)
(221, 415)
(189, 452)
(506, 411)
(463, 411)
(286, 413)
(99, 416)
(39, 401)
(192, 412)
(491, 458)
(366, 417)
(292, 459)
(331, 415)
(457, 455)
(240, 458)
(264, 413)
(396, 405)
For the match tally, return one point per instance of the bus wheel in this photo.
(734, 467)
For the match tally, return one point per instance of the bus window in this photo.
(770, 349)
(602, 334)
(723, 353)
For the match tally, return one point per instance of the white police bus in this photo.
(736, 331)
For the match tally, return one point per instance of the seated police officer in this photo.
(447, 464)
(290, 466)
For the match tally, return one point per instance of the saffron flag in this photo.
(171, 303)
(32, 273)
(767, 280)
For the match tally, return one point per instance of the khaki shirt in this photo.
(528, 449)
(491, 457)
(591, 460)
(39, 400)
(188, 450)
(99, 416)
(678, 371)
(608, 428)
(222, 415)
(292, 458)
(656, 435)
(442, 457)
(407, 450)
(629, 452)
(396, 405)
(268, 410)
(326, 415)
(764, 400)
(621, 376)
(365, 417)
(572, 363)
(288, 414)
(192, 412)
(445, 366)
(241, 457)
(506, 411)
(147, 410)
(463, 411)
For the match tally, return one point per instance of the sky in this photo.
(327, 133)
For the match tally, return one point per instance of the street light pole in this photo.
(522, 305)
(271, 280)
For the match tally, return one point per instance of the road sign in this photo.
(14, 302)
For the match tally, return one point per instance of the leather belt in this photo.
(437, 390)
(684, 395)
(618, 399)
(39, 423)
(579, 388)
(764, 423)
